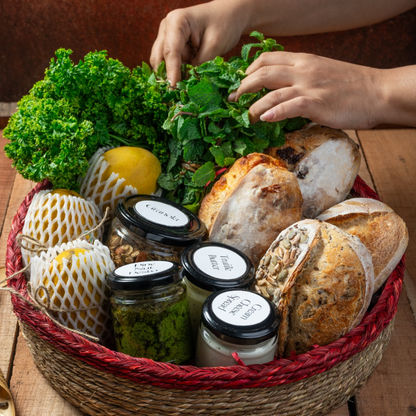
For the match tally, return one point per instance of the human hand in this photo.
(332, 93)
(195, 35)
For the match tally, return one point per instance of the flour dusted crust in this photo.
(229, 181)
(325, 161)
(321, 280)
(252, 205)
(378, 227)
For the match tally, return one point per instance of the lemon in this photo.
(59, 216)
(70, 285)
(138, 167)
(66, 192)
(119, 172)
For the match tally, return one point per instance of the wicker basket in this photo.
(100, 381)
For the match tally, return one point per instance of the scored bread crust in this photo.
(325, 161)
(378, 227)
(326, 291)
(265, 202)
(301, 142)
(221, 190)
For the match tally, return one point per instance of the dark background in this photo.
(31, 31)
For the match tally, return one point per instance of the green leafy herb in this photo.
(210, 132)
(192, 129)
(77, 109)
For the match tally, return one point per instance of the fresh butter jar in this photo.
(150, 311)
(148, 227)
(236, 321)
(210, 267)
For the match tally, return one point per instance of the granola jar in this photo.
(237, 327)
(148, 228)
(150, 311)
(210, 267)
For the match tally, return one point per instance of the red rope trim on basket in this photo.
(142, 370)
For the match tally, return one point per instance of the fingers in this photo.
(274, 58)
(210, 47)
(172, 45)
(269, 77)
(302, 106)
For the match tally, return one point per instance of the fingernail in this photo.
(232, 96)
(267, 116)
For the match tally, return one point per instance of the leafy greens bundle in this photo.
(193, 130)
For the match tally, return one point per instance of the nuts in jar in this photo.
(150, 228)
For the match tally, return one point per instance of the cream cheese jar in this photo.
(210, 267)
(239, 323)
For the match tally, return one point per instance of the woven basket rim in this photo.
(188, 377)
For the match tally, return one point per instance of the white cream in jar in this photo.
(236, 321)
(210, 267)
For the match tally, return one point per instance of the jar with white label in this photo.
(148, 227)
(150, 311)
(210, 267)
(237, 327)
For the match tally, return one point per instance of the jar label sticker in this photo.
(220, 263)
(240, 308)
(143, 268)
(161, 213)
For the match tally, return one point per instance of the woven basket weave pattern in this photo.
(298, 386)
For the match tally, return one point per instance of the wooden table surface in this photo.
(388, 166)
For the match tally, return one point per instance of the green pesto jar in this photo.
(150, 311)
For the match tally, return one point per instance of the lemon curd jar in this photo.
(150, 311)
(148, 228)
(237, 327)
(210, 267)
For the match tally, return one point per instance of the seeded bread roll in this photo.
(251, 204)
(378, 227)
(325, 161)
(321, 280)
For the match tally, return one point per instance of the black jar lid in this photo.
(144, 275)
(240, 317)
(161, 220)
(215, 266)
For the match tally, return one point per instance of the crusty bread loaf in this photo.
(378, 227)
(249, 206)
(321, 280)
(325, 161)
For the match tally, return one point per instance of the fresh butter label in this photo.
(161, 213)
(143, 268)
(220, 262)
(240, 308)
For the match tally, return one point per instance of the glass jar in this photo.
(209, 267)
(148, 227)
(236, 321)
(150, 311)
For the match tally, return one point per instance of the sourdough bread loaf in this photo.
(378, 227)
(325, 161)
(321, 280)
(251, 204)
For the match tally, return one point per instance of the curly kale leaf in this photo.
(76, 109)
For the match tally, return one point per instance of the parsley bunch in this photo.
(76, 109)
(208, 133)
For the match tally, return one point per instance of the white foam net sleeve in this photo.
(104, 192)
(54, 219)
(77, 287)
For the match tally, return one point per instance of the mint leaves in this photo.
(211, 133)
